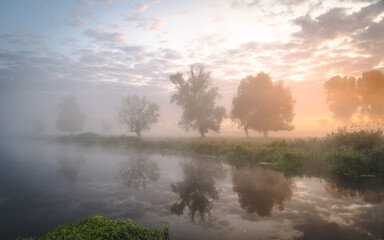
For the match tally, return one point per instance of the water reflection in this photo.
(261, 190)
(198, 189)
(138, 171)
(371, 190)
(69, 164)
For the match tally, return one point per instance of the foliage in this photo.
(371, 90)
(98, 227)
(69, 119)
(364, 96)
(262, 105)
(197, 99)
(341, 95)
(355, 153)
(137, 114)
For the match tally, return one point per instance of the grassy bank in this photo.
(352, 153)
(98, 227)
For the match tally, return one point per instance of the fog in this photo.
(231, 119)
(22, 112)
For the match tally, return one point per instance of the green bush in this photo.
(289, 160)
(98, 227)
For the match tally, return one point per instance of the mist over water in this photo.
(43, 185)
(231, 119)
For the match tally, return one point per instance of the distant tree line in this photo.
(260, 104)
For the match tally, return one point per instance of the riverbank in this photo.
(357, 153)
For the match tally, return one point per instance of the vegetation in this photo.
(262, 105)
(341, 95)
(364, 96)
(69, 119)
(356, 152)
(197, 99)
(98, 227)
(137, 114)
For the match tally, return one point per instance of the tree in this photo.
(69, 119)
(137, 114)
(364, 96)
(197, 191)
(371, 91)
(260, 190)
(262, 105)
(196, 96)
(341, 96)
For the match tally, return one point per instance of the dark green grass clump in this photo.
(355, 153)
(98, 227)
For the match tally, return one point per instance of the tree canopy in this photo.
(371, 91)
(69, 119)
(262, 105)
(198, 99)
(341, 95)
(137, 114)
(364, 96)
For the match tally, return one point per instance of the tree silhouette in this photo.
(69, 119)
(262, 105)
(197, 99)
(197, 191)
(371, 90)
(137, 114)
(138, 172)
(364, 96)
(260, 190)
(341, 96)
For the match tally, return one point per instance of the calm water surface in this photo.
(43, 185)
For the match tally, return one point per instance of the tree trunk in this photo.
(202, 134)
(246, 131)
(265, 134)
(138, 134)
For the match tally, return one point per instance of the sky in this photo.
(102, 50)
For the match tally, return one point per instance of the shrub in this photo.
(98, 227)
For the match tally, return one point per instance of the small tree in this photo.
(341, 96)
(137, 114)
(69, 119)
(196, 96)
(262, 105)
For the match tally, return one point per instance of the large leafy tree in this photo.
(137, 114)
(69, 119)
(341, 96)
(364, 96)
(262, 105)
(371, 91)
(196, 96)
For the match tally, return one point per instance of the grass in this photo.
(98, 227)
(344, 152)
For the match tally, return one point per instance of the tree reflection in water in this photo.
(69, 164)
(198, 189)
(138, 171)
(260, 190)
(369, 189)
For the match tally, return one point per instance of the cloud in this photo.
(78, 16)
(179, 15)
(219, 20)
(147, 24)
(145, 6)
(106, 36)
(336, 22)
